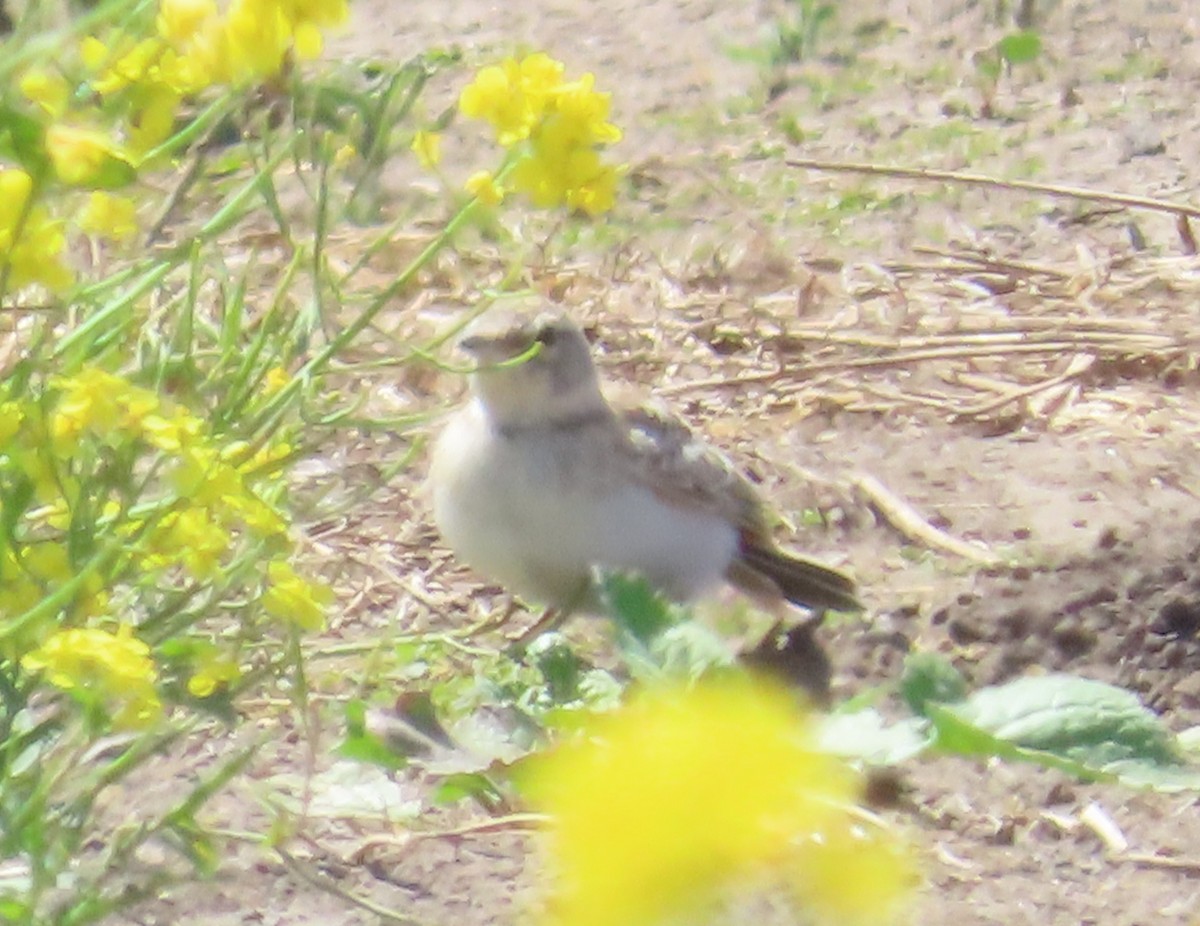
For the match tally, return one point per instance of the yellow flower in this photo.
(180, 20)
(554, 175)
(560, 127)
(681, 794)
(99, 403)
(513, 95)
(252, 43)
(47, 89)
(118, 68)
(427, 146)
(80, 155)
(153, 118)
(192, 538)
(307, 41)
(483, 185)
(294, 599)
(172, 433)
(585, 111)
(101, 667)
(205, 479)
(32, 244)
(318, 12)
(110, 217)
(11, 417)
(213, 673)
(276, 378)
(94, 53)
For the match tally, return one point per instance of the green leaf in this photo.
(1020, 47)
(559, 665)
(1077, 725)
(112, 174)
(24, 137)
(634, 605)
(1079, 717)
(689, 650)
(456, 787)
(364, 746)
(865, 736)
(957, 737)
(930, 678)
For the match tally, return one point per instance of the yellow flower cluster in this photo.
(193, 532)
(556, 128)
(31, 241)
(112, 671)
(197, 45)
(681, 794)
(217, 501)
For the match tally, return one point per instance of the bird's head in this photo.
(532, 369)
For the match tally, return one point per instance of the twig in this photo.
(1079, 365)
(1105, 828)
(1010, 345)
(988, 261)
(1190, 866)
(908, 521)
(518, 822)
(1026, 186)
(327, 884)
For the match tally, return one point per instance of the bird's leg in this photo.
(491, 621)
(552, 618)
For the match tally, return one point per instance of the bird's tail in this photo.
(801, 581)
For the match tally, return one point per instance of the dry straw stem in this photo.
(509, 823)
(908, 521)
(1181, 210)
(306, 872)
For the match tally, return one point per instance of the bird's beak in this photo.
(496, 348)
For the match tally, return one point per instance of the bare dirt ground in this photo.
(1017, 367)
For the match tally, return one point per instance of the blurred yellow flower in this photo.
(277, 377)
(117, 68)
(294, 599)
(584, 111)
(427, 146)
(110, 217)
(483, 184)
(193, 539)
(99, 403)
(172, 433)
(557, 128)
(114, 670)
(512, 95)
(317, 12)
(11, 417)
(32, 243)
(79, 155)
(152, 120)
(180, 20)
(213, 673)
(47, 89)
(682, 794)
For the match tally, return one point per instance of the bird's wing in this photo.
(666, 457)
(680, 469)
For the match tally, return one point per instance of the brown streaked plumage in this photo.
(538, 480)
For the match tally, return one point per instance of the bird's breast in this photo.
(537, 511)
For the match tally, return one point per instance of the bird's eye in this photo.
(547, 336)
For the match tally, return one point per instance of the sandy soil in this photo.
(718, 281)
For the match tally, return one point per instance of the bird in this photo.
(537, 482)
